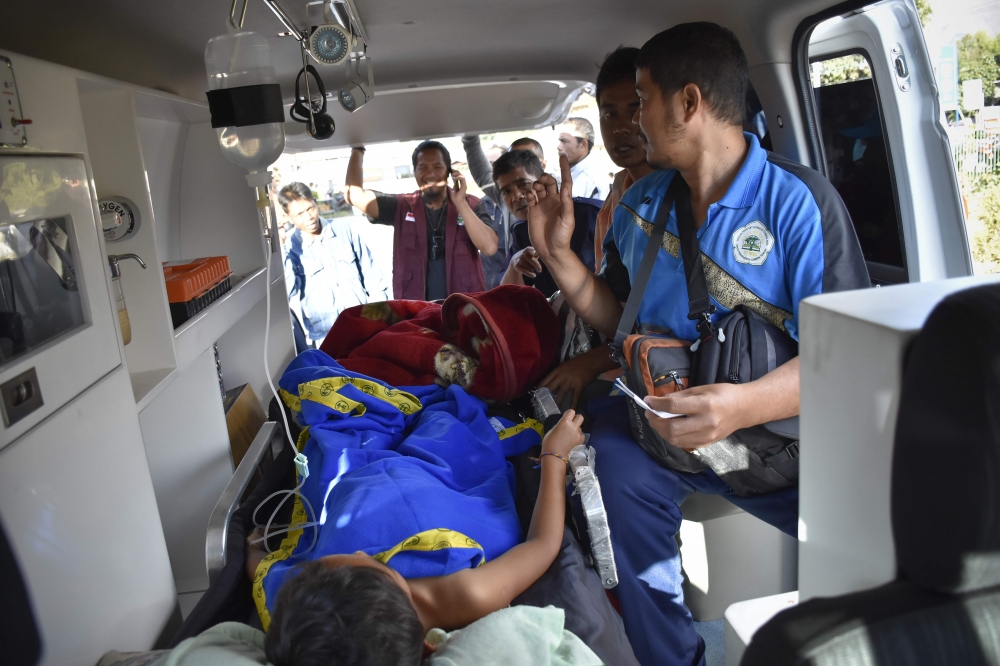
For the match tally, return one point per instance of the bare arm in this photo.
(482, 236)
(479, 164)
(550, 224)
(715, 411)
(471, 594)
(577, 373)
(354, 190)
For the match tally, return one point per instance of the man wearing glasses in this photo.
(328, 267)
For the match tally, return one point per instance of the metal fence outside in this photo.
(976, 151)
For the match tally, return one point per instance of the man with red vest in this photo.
(439, 231)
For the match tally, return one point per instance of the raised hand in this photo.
(550, 214)
(461, 187)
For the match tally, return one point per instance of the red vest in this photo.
(463, 270)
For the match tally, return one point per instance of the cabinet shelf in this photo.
(147, 384)
(200, 332)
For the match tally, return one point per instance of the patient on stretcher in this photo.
(417, 528)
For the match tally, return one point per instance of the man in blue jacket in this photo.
(328, 267)
(771, 231)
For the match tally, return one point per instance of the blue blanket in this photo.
(416, 477)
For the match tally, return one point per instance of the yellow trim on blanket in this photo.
(326, 392)
(521, 427)
(288, 545)
(300, 443)
(292, 401)
(429, 540)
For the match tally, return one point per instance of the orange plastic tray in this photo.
(187, 280)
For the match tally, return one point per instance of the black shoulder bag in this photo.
(740, 347)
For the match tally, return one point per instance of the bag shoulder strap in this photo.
(631, 311)
(700, 306)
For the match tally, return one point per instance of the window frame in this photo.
(886, 270)
(802, 65)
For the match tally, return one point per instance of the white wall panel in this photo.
(852, 346)
(77, 503)
(162, 144)
(187, 445)
(241, 349)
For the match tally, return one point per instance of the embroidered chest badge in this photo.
(410, 218)
(752, 244)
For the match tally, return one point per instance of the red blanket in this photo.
(495, 344)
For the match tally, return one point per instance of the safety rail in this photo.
(218, 524)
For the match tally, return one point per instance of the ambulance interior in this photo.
(116, 472)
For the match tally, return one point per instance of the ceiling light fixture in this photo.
(357, 93)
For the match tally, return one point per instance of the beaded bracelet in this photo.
(538, 460)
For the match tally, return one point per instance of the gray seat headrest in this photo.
(946, 461)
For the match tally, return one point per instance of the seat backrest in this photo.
(22, 645)
(944, 607)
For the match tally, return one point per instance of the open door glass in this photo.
(885, 143)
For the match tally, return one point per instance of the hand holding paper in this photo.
(642, 403)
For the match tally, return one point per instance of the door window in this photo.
(858, 161)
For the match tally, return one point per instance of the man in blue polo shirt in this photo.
(772, 232)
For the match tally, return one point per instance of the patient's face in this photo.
(360, 559)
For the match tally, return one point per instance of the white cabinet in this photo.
(56, 318)
(77, 504)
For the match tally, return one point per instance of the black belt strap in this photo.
(631, 311)
(700, 305)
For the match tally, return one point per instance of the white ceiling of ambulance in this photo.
(161, 44)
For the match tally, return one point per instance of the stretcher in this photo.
(571, 582)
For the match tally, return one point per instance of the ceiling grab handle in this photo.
(309, 100)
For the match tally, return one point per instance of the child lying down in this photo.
(417, 522)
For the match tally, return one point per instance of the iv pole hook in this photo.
(243, 14)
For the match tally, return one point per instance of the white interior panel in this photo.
(162, 144)
(69, 362)
(218, 212)
(852, 346)
(117, 161)
(77, 503)
(187, 444)
(241, 349)
(440, 111)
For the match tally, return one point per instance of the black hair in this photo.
(705, 54)
(528, 139)
(294, 192)
(517, 158)
(433, 145)
(348, 616)
(585, 127)
(618, 66)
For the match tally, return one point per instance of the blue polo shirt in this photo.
(780, 234)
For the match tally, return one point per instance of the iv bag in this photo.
(244, 59)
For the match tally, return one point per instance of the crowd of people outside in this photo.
(326, 241)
